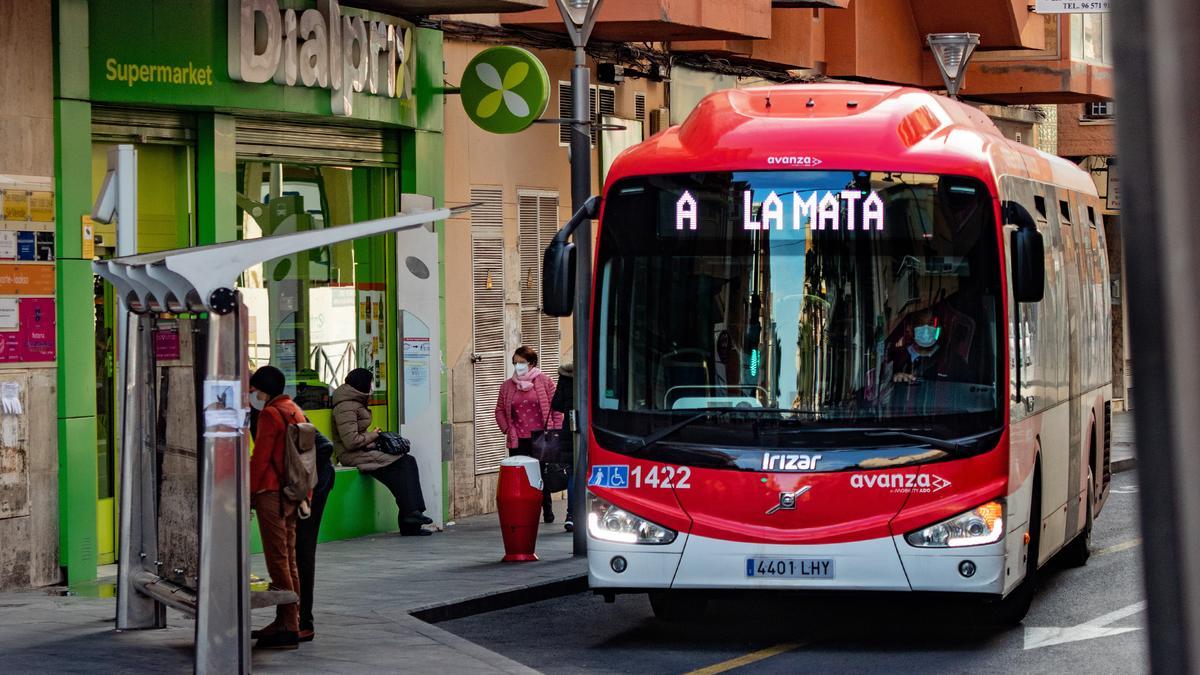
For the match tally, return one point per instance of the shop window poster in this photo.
(372, 345)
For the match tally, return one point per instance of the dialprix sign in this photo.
(310, 57)
(319, 48)
(505, 89)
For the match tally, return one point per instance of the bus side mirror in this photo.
(558, 263)
(1028, 253)
(558, 278)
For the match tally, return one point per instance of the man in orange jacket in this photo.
(276, 513)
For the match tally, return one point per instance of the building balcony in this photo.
(797, 41)
(815, 4)
(1075, 66)
(662, 20)
(412, 7)
(884, 40)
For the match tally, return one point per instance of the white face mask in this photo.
(521, 368)
(256, 402)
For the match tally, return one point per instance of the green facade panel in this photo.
(76, 339)
(216, 179)
(77, 496)
(73, 173)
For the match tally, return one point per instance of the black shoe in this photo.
(548, 517)
(418, 518)
(284, 639)
(307, 634)
(417, 532)
(569, 525)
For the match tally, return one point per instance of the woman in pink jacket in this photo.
(523, 407)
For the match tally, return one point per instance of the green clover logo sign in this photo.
(508, 103)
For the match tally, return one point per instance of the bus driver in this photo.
(921, 353)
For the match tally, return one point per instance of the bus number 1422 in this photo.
(666, 477)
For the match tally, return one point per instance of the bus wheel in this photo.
(1076, 553)
(675, 606)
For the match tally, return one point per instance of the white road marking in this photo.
(1096, 628)
(1127, 490)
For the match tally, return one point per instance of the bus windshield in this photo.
(796, 300)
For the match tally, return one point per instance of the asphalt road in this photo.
(581, 633)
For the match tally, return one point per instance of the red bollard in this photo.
(519, 502)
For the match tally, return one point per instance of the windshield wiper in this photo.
(652, 439)
(955, 445)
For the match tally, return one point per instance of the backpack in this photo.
(299, 474)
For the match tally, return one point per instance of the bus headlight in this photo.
(613, 523)
(983, 524)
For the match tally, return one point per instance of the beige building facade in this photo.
(492, 261)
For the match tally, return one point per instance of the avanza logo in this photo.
(794, 160)
(899, 482)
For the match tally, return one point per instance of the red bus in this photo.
(844, 338)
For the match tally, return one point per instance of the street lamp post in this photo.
(952, 51)
(580, 17)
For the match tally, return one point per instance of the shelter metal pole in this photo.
(581, 191)
(223, 590)
(138, 537)
(1156, 56)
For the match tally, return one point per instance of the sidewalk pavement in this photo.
(1124, 457)
(371, 596)
(367, 591)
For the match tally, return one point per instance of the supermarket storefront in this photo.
(281, 117)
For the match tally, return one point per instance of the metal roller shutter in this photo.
(138, 125)
(315, 142)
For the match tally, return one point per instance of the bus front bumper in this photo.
(883, 564)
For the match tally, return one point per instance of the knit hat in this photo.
(360, 379)
(269, 380)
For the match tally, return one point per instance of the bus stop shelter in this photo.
(200, 280)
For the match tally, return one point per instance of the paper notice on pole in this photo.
(88, 239)
(222, 394)
(223, 404)
(9, 315)
(10, 398)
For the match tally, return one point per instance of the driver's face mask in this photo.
(926, 336)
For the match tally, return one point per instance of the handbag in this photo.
(554, 476)
(392, 443)
(547, 443)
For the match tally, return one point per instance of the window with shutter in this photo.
(564, 112)
(537, 216)
(487, 282)
(639, 107)
(602, 101)
(490, 212)
(549, 332)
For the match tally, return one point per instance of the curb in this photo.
(1123, 464)
(536, 592)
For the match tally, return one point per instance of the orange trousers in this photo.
(277, 525)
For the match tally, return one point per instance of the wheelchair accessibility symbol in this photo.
(609, 476)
